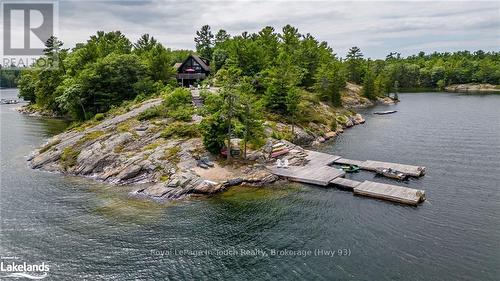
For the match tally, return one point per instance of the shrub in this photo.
(178, 97)
(153, 112)
(333, 125)
(213, 129)
(178, 105)
(99, 116)
(181, 130)
(68, 157)
(181, 113)
(342, 119)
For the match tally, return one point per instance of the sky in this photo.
(376, 27)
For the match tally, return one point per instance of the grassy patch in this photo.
(285, 134)
(48, 146)
(181, 130)
(89, 137)
(151, 146)
(171, 154)
(68, 157)
(153, 112)
(119, 148)
(164, 178)
(127, 126)
(342, 119)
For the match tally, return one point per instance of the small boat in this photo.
(391, 173)
(201, 164)
(207, 162)
(9, 101)
(351, 168)
(279, 152)
(385, 112)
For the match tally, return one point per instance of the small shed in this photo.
(193, 70)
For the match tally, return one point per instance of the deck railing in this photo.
(196, 76)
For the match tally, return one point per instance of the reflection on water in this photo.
(87, 230)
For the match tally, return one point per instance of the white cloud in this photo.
(376, 27)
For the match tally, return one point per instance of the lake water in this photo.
(87, 230)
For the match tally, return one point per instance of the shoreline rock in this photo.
(472, 87)
(28, 110)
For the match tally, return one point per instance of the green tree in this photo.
(381, 86)
(369, 85)
(204, 41)
(157, 59)
(354, 62)
(221, 37)
(281, 78)
(27, 85)
(251, 114)
(293, 98)
(330, 80)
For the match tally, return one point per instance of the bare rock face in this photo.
(358, 119)
(302, 137)
(179, 186)
(122, 150)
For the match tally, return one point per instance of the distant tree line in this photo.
(278, 73)
(8, 77)
(279, 62)
(436, 70)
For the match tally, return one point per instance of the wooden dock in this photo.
(319, 171)
(370, 165)
(382, 191)
(390, 192)
(345, 183)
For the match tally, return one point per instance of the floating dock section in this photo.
(383, 191)
(370, 165)
(319, 171)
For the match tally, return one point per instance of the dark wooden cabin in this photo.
(193, 70)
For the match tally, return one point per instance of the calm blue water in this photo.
(86, 230)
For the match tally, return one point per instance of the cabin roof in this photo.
(201, 61)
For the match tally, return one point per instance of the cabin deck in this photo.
(319, 172)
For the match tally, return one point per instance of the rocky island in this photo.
(122, 149)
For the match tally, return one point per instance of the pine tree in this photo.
(354, 62)
(204, 42)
